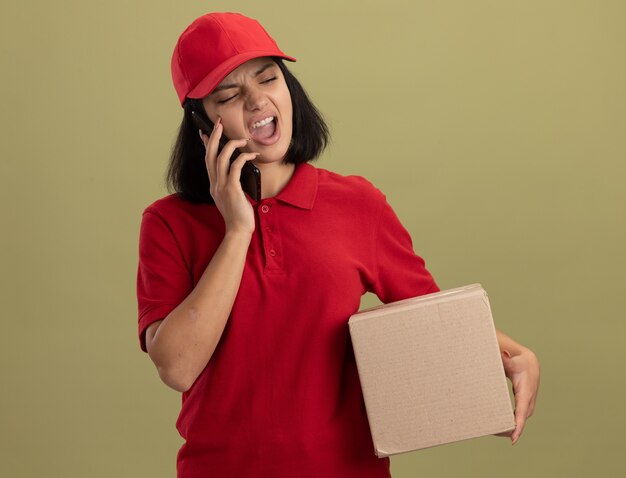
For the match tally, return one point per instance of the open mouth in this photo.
(265, 131)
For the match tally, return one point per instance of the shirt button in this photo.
(265, 208)
(268, 229)
(272, 252)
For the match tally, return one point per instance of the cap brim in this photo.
(210, 82)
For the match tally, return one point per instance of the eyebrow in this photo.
(256, 73)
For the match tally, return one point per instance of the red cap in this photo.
(213, 46)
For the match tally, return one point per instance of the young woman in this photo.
(243, 303)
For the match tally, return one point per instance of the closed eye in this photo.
(269, 80)
(221, 102)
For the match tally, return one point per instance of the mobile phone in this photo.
(250, 174)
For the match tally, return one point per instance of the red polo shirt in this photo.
(280, 396)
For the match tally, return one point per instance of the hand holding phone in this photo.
(250, 175)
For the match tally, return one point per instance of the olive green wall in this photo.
(496, 129)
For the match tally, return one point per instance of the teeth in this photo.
(267, 120)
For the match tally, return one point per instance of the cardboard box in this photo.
(431, 370)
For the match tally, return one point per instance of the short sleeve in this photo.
(163, 278)
(399, 272)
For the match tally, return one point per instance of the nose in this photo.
(255, 99)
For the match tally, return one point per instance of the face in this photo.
(253, 102)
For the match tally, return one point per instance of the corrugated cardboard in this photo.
(431, 370)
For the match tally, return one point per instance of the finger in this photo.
(210, 168)
(506, 362)
(223, 159)
(238, 164)
(517, 433)
(533, 401)
(521, 410)
(211, 146)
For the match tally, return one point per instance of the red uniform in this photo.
(280, 396)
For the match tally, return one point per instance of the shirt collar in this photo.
(301, 189)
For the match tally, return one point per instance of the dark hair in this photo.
(187, 174)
